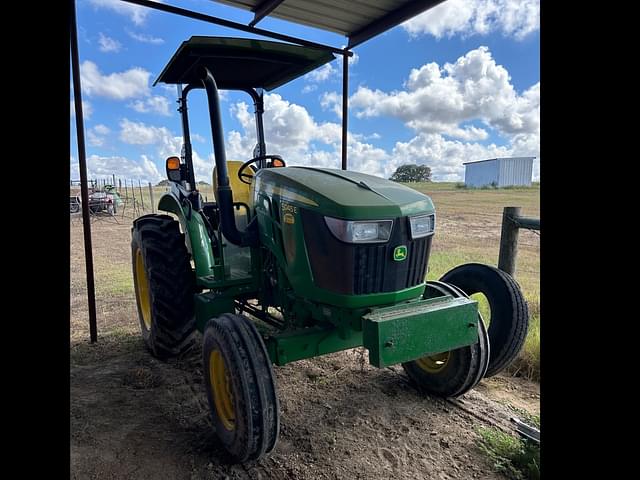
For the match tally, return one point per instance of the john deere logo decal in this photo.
(400, 253)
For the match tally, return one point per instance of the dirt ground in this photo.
(133, 416)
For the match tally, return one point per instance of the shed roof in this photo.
(497, 158)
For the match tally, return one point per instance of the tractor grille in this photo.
(366, 268)
(375, 271)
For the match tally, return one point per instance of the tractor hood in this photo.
(341, 194)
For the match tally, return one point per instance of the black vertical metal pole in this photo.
(345, 107)
(186, 135)
(82, 160)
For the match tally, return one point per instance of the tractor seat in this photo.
(241, 191)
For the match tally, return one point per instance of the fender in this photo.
(193, 226)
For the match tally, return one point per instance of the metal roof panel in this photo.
(345, 17)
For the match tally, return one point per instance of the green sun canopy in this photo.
(241, 63)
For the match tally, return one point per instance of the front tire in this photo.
(453, 373)
(240, 387)
(164, 285)
(509, 321)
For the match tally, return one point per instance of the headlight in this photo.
(360, 232)
(422, 225)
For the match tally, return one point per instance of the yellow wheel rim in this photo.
(142, 282)
(221, 390)
(434, 363)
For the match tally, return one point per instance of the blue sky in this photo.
(458, 83)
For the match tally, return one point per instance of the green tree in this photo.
(412, 173)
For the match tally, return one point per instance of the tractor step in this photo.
(406, 332)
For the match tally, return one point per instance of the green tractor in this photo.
(291, 263)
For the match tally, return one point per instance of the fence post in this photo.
(133, 195)
(113, 175)
(153, 203)
(509, 241)
(141, 196)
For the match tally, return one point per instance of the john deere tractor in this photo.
(293, 262)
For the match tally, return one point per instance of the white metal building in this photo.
(501, 172)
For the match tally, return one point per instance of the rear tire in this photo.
(164, 285)
(509, 321)
(240, 387)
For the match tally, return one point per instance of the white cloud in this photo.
(172, 89)
(292, 132)
(444, 157)
(136, 13)
(87, 109)
(150, 169)
(74, 172)
(138, 133)
(513, 18)
(94, 140)
(326, 72)
(95, 135)
(332, 101)
(144, 38)
(168, 144)
(438, 103)
(118, 86)
(321, 74)
(156, 104)
(439, 100)
(101, 129)
(160, 142)
(108, 44)
(122, 167)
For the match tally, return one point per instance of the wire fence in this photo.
(116, 199)
(131, 198)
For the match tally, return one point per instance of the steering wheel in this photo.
(242, 175)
